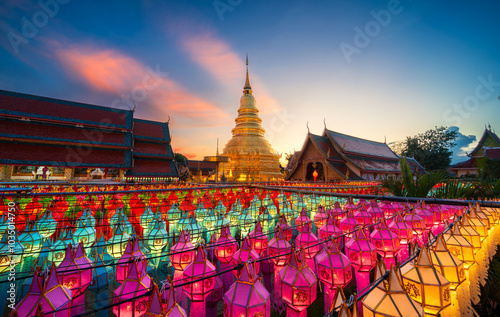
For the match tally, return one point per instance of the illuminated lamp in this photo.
(266, 220)
(183, 222)
(246, 253)
(254, 209)
(427, 215)
(309, 241)
(388, 209)
(46, 225)
(118, 241)
(298, 284)
(469, 233)
(320, 218)
(300, 208)
(285, 227)
(145, 219)
(440, 214)
(447, 264)
(220, 208)
(51, 295)
(480, 224)
(272, 209)
(312, 205)
(302, 221)
(350, 205)
(391, 300)
(247, 297)
(198, 277)
(404, 232)
(426, 285)
(131, 294)
(221, 221)
(10, 252)
(245, 222)
(200, 212)
(84, 233)
(386, 242)
(154, 306)
(481, 213)
(87, 214)
(157, 238)
(173, 216)
(132, 252)
(102, 275)
(117, 217)
(182, 253)
(362, 216)
(33, 208)
(337, 212)
(279, 249)
(31, 240)
(363, 256)
(194, 229)
(417, 224)
(58, 249)
(233, 216)
(258, 239)
(172, 309)
(459, 246)
(330, 230)
(75, 271)
(348, 224)
(226, 246)
(375, 211)
(287, 211)
(267, 201)
(215, 296)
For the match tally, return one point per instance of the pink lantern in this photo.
(404, 231)
(362, 216)
(386, 242)
(309, 242)
(226, 246)
(375, 210)
(197, 288)
(337, 212)
(298, 284)
(216, 295)
(334, 269)
(246, 253)
(75, 271)
(132, 252)
(416, 222)
(155, 307)
(303, 220)
(320, 217)
(350, 205)
(279, 249)
(171, 307)
(348, 223)
(331, 230)
(182, 253)
(136, 285)
(258, 239)
(247, 296)
(361, 252)
(388, 209)
(427, 215)
(285, 227)
(52, 296)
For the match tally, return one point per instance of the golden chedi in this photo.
(251, 155)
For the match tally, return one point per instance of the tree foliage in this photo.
(179, 158)
(431, 148)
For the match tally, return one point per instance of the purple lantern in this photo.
(75, 271)
(136, 284)
(244, 254)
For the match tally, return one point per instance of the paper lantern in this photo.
(31, 240)
(233, 216)
(469, 233)
(154, 306)
(132, 253)
(361, 252)
(426, 285)
(221, 221)
(459, 246)
(183, 222)
(75, 271)
(84, 233)
(47, 225)
(402, 228)
(298, 283)
(348, 224)
(226, 246)
(194, 229)
(173, 215)
(197, 289)
(362, 216)
(374, 210)
(330, 230)
(279, 249)
(285, 227)
(427, 215)
(51, 295)
(246, 253)
(210, 221)
(390, 301)
(146, 218)
(157, 237)
(480, 224)
(337, 212)
(102, 275)
(182, 253)
(254, 209)
(447, 264)
(246, 222)
(10, 253)
(266, 220)
(258, 239)
(247, 296)
(334, 268)
(320, 217)
(200, 212)
(136, 286)
(417, 223)
(172, 309)
(386, 242)
(309, 242)
(118, 241)
(303, 220)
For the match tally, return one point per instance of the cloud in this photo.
(464, 144)
(111, 71)
(218, 59)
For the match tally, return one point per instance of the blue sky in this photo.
(372, 69)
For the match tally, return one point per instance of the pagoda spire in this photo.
(247, 88)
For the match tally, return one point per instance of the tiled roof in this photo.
(493, 153)
(144, 167)
(470, 163)
(362, 146)
(325, 145)
(151, 149)
(376, 165)
(151, 130)
(195, 165)
(481, 142)
(19, 105)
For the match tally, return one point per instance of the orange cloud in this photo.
(216, 57)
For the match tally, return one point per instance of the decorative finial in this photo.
(489, 126)
(247, 88)
(385, 139)
(324, 122)
(217, 152)
(307, 125)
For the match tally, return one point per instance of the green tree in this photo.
(432, 149)
(179, 158)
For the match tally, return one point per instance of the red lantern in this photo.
(197, 289)
(182, 253)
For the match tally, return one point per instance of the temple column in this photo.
(68, 174)
(2, 168)
(8, 171)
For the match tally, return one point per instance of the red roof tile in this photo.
(362, 146)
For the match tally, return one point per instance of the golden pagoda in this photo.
(251, 155)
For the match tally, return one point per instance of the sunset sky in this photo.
(372, 69)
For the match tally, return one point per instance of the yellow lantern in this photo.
(390, 300)
(460, 247)
(426, 285)
(479, 223)
(469, 233)
(447, 264)
(477, 212)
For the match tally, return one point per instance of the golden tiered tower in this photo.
(251, 155)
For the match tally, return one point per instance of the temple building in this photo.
(487, 147)
(334, 156)
(46, 138)
(251, 155)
